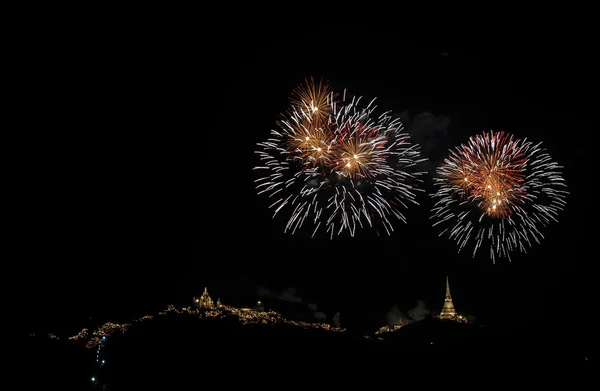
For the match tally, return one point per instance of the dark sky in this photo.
(532, 87)
(131, 214)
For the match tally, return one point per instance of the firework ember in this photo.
(313, 100)
(334, 165)
(497, 191)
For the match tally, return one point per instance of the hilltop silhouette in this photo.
(187, 351)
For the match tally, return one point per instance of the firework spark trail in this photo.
(497, 191)
(336, 165)
(313, 100)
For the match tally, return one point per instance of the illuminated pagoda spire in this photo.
(448, 312)
(205, 300)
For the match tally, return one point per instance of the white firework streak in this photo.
(461, 220)
(311, 187)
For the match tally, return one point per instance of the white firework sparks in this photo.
(348, 170)
(497, 192)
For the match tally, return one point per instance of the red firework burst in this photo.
(490, 170)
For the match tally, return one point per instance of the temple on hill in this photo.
(205, 301)
(448, 312)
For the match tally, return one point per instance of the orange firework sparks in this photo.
(359, 151)
(313, 99)
(311, 144)
(460, 174)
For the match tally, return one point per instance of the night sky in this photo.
(133, 214)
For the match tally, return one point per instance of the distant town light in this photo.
(93, 379)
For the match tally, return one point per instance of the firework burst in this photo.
(496, 191)
(310, 145)
(313, 100)
(338, 167)
(361, 150)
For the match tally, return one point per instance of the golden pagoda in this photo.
(448, 312)
(206, 301)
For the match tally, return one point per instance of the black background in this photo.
(137, 184)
